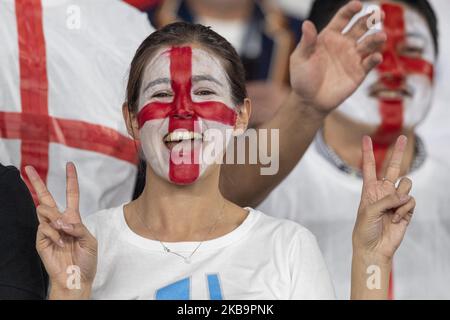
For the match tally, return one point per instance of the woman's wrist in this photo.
(370, 275)
(371, 257)
(81, 291)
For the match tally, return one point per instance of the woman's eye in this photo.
(414, 48)
(163, 94)
(204, 92)
(412, 51)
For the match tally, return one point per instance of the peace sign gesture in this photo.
(385, 210)
(63, 242)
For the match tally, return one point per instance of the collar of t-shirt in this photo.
(420, 155)
(187, 247)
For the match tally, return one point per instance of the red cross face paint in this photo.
(398, 94)
(185, 107)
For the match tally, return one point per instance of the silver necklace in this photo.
(186, 259)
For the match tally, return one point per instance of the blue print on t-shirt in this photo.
(176, 291)
(180, 290)
(215, 292)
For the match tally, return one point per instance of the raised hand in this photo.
(63, 242)
(327, 68)
(385, 210)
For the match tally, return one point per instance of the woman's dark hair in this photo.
(177, 34)
(323, 11)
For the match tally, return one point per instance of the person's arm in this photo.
(325, 69)
(21, 272)
(383, 217)
(297, 123)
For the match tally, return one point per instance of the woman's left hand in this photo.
(385, 210)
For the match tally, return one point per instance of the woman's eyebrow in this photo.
(156, 82)
(194, 79)
(206, 78)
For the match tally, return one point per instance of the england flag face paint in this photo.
(398, 94)
(185, 100)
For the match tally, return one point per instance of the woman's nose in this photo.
(392, 67)
(184, 108)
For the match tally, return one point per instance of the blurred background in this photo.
(64, 71)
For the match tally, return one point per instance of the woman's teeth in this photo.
(178, 136)
(391, 94)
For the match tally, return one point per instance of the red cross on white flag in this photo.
(62, 90)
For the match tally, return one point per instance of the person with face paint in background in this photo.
(181, 239)
(394, 99)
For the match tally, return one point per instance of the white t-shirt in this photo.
(263, 258)
(325, 200)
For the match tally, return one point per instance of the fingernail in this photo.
(402, 140)
(61, 243)
(67, 226)
(404, 198)
(59, 223)
(396, 218)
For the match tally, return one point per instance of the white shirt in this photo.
(296, 8)
(263, 258)
(326, 200)
(232, 31)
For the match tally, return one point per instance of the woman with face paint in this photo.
(181, 239)
(393, 100)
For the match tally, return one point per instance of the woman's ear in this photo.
(243, 117)
(130, 121)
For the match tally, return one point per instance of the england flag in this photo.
(64, 69)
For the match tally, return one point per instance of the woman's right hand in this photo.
(66, 247)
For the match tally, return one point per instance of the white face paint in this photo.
(416, 90)
(211, 129)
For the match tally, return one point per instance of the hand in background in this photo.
(326, 68)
